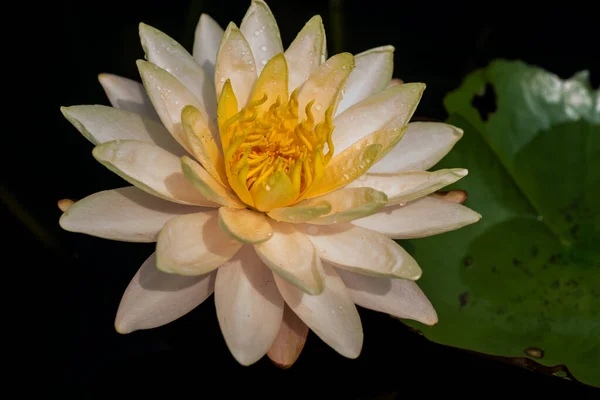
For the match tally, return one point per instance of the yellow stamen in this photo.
(266, 138)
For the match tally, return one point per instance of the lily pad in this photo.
(525, 280)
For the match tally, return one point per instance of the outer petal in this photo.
(206, 43)
(259, 27)
(169, 96)
(291, 255)
(325, 85)
(423, 145)
(245, 225)
(100, 124)
(169, 55)
(150, 168)
(194, 244)
(371, 75)
(154, 298)
(350, 203)
(361, 250)
(332, 315)
(249, 306)
(236, 63)
(126, 214)
(207, 185)
(398, 297)
(305, 53)
(397, 104)
(290, 340)
(403, 187)
(128, 95)
(424, 217)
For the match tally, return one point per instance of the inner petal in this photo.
(271, 157)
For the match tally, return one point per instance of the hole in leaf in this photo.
(485, 103)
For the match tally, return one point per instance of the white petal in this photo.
(403, 187)
(348, 204)
(401, 298)
(424, 217)
(150, 168)
(154, 298)
(291, 255)
(128, 95)
(324, 86)
(235, 62)
(396, 104)
(194, 244)
(260, 29)
(372, 74)
(126, 214)
(361, 250)
(304, 55)
(331, 315)
(100, 124)
(249, 306)
(206, 43)
(169, 97)
(169, 55)
(245, 225)
(423, 145)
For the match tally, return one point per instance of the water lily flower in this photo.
(277, 180)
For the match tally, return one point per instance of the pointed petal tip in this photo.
(461, 172)
(121, 327)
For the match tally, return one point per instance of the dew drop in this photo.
(174, 43)
(344, 67)
(256, 32)
(168, 69)
(318, 106)
(157, 87)
(167, 48)
(222, 79)
(176, 102)
(540, 218)
(268, 188)
(252, 68)
(363, 177)
(263, 48)
(264, 62)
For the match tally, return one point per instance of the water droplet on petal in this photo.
(256, 32)
(264, 62)
(252, 68)
(222, 79)
(318, 106)
(344, 67)
(263, 48)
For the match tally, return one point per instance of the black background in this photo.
(72, 345)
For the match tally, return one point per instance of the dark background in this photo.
(72, 345)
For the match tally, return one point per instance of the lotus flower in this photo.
(276, 179)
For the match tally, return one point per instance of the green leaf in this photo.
(527, 276)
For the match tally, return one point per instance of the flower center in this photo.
(268, 141)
